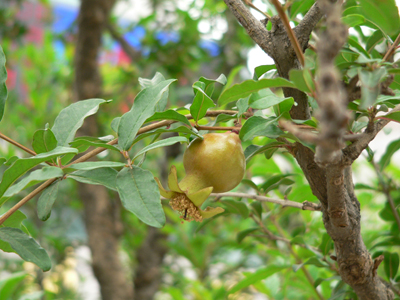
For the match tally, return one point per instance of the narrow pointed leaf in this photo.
(236, 207)
(21, 166)
(33, 178)
(91, 165)
(169, 115)
(46, 201)
(180, 129)
(143, 107)
(242, 234)
(26, 247)
(145, 83)
(3, 78)
(392, 148)
(384, 13)
(257, 276)
(140, 195)
(259, 126)
(44, 140)
(162, 143)
(83, 143)
(201, 103)
(244, 89)
(71, 118)
(15, 221)
(100, 176)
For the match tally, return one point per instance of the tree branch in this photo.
(306, 205)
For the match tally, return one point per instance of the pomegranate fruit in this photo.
(214, 163)
(217, 161)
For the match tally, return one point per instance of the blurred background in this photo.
(185, 40)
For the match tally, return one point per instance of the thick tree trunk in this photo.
(102, 214)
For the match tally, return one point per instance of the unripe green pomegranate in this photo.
(216, 161)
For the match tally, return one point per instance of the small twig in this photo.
(377, 262)
(248, 2)
(28, 197)
(11, 141)
(289, 30)
(306, 205)
(301, 134)
(392, 48)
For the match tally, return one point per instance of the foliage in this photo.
(262, 247)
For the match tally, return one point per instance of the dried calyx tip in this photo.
(186, 208)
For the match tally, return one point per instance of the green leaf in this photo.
(84, 142)
(257, 207)
(302, 79)
(326, 244)
(21, 166)
(242, 234)
(44, 140)
(252, 150)
(274, 181)
(311, 261)
(300, 7)
(209, 83)
(71, 118)
(352, 20)
(391, 116)
(26, 247)
(261, 70)
(370, 85)
(244, 89)
(375, 39)
(10, 284)
(284, 106)
(3, 78)
(33, 178)
(264, 99)
(115, 123)
(15, 221)
(236, 207)
(259, 126)
(384, 13)
(260, 274)
(232, 75)
(140, 195)
(353, 42)
(390, 150)
(165, 142)
(100, 176)
(145, 83)
(143, 107)
(180, 129)
(46, 201)
(169, 115)
(391, 264)
(242, 105)
(201, 103)
(91, 165)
